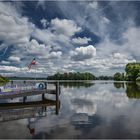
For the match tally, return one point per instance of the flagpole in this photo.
(35, 72)
(33, 62)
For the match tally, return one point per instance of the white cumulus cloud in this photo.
(44, 22)
(14, 58)
(14, 30)
(80, 40)
(82, 53)
(65, 26)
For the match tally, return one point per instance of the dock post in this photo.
(57, 90)
(45, 85)
(45, 108)
(43, 96)
(12, 82)
(57, 98)
(24, 99)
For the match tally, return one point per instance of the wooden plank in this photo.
(19, 105)
(26, 93)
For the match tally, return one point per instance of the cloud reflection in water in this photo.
(104, 110)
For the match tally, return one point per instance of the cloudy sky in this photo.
(100, 37)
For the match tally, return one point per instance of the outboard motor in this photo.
(40, 86)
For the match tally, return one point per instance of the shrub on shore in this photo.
(3, 79)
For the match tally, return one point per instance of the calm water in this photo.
(94, 110)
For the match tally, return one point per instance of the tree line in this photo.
(72, 76)
(132, 73)
(78, 76)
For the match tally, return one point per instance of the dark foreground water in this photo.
(94, 110)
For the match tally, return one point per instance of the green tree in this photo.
(138, 79)
(3, 79)
(132, 71)
(118, 77)
(72, 76)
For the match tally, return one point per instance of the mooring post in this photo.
(45, 85)
(57, 98)
(57, 90)
(12, 82)
(45, 108)
(43, 96)
(24, 99)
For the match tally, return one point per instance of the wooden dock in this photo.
(32, 104)
(16, 94)
(26, 93)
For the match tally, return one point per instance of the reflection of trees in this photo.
(76, 84)
(118, 85)
(20, 110)
(133, 90)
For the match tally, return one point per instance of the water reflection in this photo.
(105, 110)
(14, 111)
(76, 84)
(109, 107)
(119, 85)
(30, 112)
(84, 106)
(133, 90)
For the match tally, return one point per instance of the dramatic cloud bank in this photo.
(77, 36)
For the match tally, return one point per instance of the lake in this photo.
(99, 109)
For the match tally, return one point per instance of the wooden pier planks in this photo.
(28, 93)
(18, 105)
